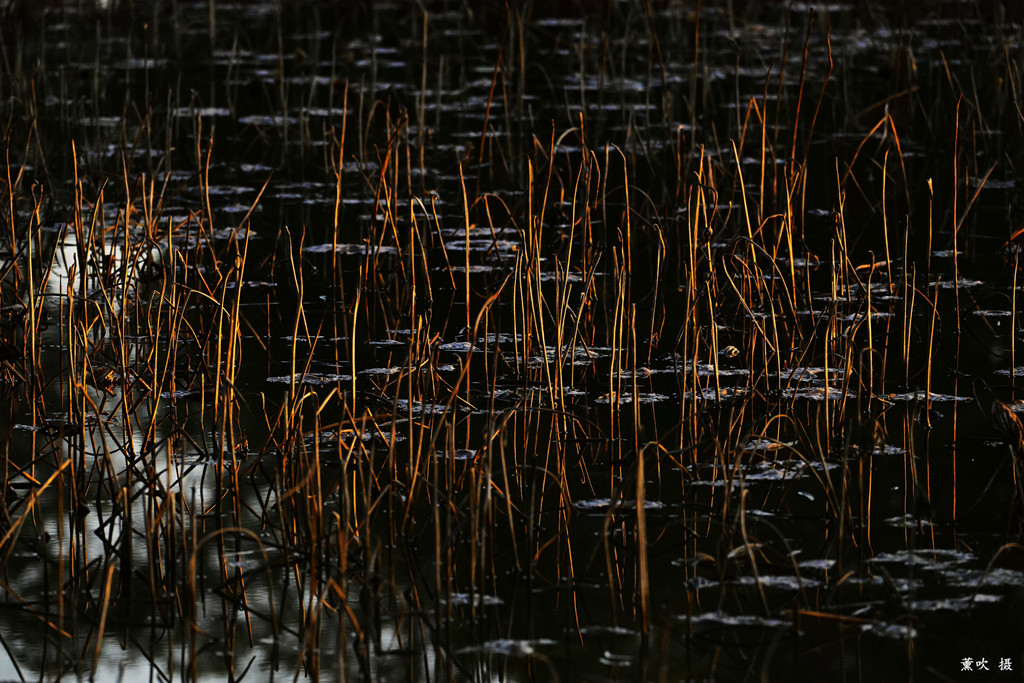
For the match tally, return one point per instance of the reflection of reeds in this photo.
(1008, 425)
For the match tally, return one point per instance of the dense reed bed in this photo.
(457, 341)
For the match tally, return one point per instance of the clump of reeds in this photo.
(311, 446)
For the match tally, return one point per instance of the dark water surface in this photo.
(553, 341)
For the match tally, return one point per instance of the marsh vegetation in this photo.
(632, 340)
